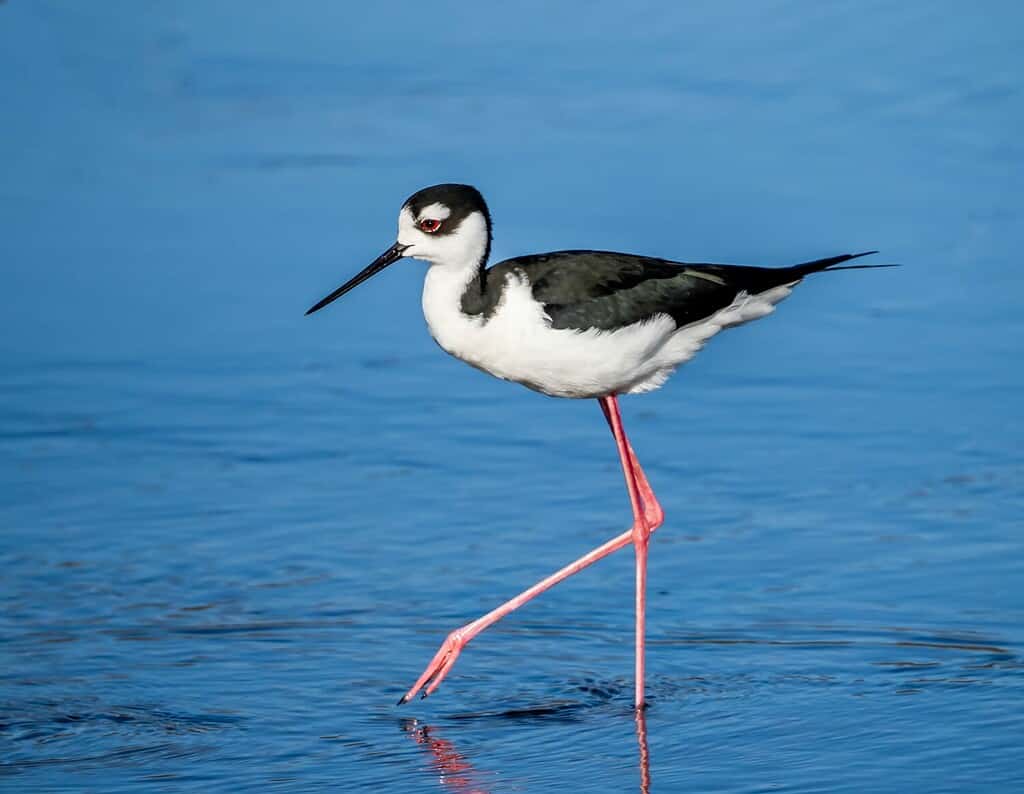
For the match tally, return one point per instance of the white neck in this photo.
(443, 289)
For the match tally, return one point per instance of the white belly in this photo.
(517, 342)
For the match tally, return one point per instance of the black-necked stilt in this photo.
(571, 324)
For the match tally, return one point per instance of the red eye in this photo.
(430, 225)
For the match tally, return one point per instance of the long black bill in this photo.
(393, 254)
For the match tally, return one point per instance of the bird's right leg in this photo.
(644, 510)
(653, 513)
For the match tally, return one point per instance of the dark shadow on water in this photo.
(556, 711)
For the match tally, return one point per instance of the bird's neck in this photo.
(446, 287)
(457, 281)
(475, 287)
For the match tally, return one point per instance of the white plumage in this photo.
(517, 342)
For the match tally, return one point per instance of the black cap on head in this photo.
(461, 200)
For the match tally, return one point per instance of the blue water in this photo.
(232, 536)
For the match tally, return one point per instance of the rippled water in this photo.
(232, 536)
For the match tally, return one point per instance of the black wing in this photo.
(607, 290)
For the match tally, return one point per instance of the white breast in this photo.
(517, 342)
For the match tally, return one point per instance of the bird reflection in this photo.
(456, 773)
(645, 755)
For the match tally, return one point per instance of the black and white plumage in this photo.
(606, 290)
(571, 323)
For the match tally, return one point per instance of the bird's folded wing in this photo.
(606, 290)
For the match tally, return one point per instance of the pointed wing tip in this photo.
(864, 267)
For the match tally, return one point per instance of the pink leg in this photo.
(641, 531)
(647, 516)
(652, 510)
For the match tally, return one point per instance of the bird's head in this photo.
(447, 225)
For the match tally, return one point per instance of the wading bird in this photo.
(571, 324)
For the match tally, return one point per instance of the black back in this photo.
(607, 290)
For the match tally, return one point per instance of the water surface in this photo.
(232, 536)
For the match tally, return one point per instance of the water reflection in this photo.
(645, 755)
(456, 773)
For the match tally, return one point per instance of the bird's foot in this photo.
(440, 665)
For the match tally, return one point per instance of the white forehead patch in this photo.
(437, 211)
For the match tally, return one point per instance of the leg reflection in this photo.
(454, 771)
(645, 756)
